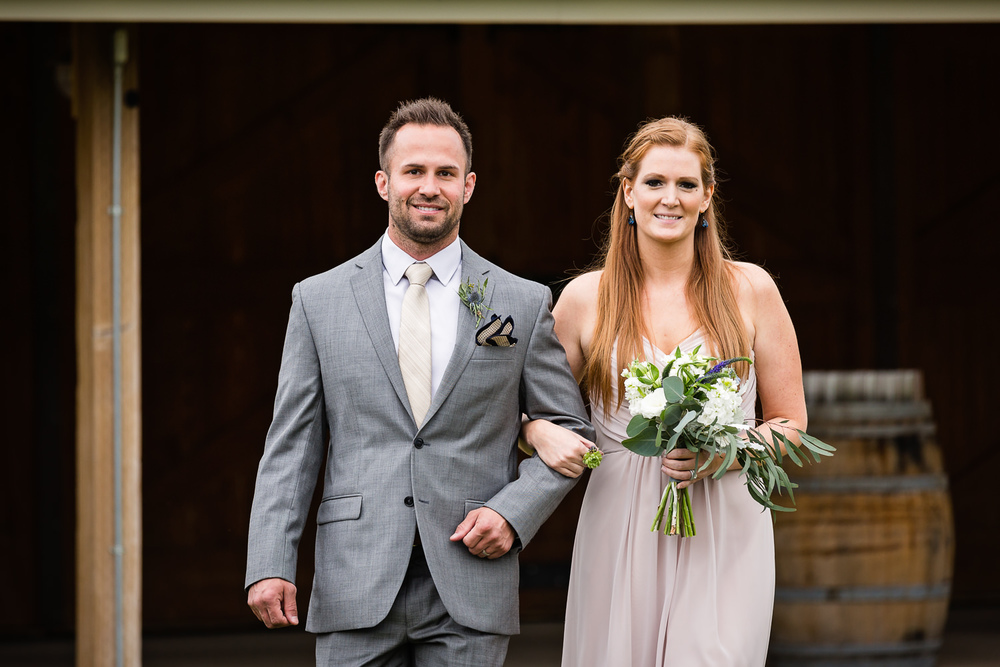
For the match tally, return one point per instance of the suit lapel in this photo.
(369, 293)
(477, 269)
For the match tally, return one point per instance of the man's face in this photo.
(426, 185)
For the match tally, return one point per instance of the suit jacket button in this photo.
(418, 443)
(408, 501)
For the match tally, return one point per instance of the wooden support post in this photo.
(93, 110)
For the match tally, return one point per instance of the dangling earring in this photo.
(631, 218)
(704, 221)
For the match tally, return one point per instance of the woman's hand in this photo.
(560, 449)
(680, 463)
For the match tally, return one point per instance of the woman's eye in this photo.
(654, 183)
(688, 185)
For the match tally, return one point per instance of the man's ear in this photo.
(382, 184)
(470, 185)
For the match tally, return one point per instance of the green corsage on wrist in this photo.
(592, 459)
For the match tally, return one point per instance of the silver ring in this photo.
(694, 475)
(484, 553)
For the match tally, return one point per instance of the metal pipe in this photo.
(120, 58)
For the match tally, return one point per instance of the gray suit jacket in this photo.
(383, 477)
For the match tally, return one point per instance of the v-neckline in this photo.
(680, 344)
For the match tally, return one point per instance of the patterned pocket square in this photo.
(497, 333)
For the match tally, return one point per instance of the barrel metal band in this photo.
(891, 484)
(911, 593)
(872, 431)
(926, 647)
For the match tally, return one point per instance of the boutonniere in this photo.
(473, 295)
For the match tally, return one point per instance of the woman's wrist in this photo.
(523, 442)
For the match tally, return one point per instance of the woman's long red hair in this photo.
(711, 291)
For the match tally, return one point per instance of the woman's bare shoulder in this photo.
(582, 289)
(753, 280)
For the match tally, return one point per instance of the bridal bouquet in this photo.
(694, 402)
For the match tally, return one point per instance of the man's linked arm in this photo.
(548, 391)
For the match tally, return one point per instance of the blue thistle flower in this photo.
(716, 370)
(473, 296)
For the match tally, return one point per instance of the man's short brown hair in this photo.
(425, 111)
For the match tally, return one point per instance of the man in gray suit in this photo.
(421, 392)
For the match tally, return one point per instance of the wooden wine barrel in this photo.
(864, 565)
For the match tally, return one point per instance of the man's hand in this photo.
(485, 533)
(273, 602)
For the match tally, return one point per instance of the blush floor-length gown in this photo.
(644, 599)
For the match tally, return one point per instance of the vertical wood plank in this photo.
(93, 100)
(131, 365)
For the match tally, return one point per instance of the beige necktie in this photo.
(415, 341)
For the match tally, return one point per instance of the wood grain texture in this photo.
(93, 98)
(866, 560)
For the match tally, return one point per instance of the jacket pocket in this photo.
(473, 505)
(339, 508)
(493, 353)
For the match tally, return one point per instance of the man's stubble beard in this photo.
(421, 234)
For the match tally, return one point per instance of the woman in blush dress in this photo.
(666, 280)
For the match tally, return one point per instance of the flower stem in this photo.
(689, 530)
(676, 517)
(674, 513)
(658, 519)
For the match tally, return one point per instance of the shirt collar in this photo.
(444, 262)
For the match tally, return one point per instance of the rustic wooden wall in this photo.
(37, 482)
(258, 171)
(860, 162)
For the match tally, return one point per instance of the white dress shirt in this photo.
(442, 293)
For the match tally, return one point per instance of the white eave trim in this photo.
(506, 11)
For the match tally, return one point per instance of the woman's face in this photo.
(668, 195)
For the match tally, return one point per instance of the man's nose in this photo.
(429, 185)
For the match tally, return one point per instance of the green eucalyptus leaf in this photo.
(728, 460)
(791, 495)
(792, 452)
(671, 414)
(672, 443)
(773, 448)
(816, 444)
(637, 425)
(708, 461)
(688, 417)
(644, 443)
(673, 389)
(799, 451)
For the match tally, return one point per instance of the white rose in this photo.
(652, 404)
